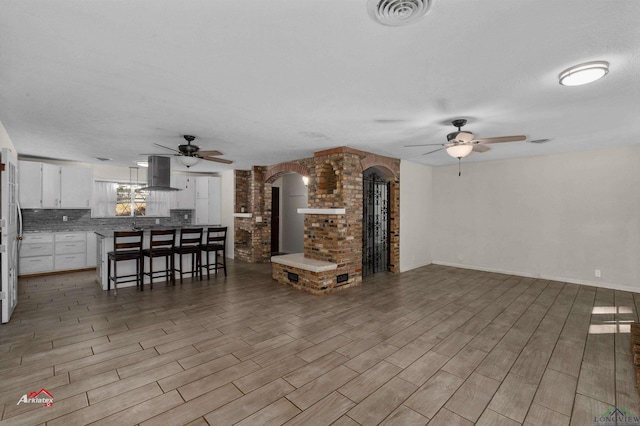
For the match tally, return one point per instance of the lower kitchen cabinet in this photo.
(43, 252)
(70, 251)
(36, 254)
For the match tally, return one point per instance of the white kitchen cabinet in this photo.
(185, 199)
(91, 249)
(202, 187)
(208, 194)
(70, 250)
(76, 184)
(48, 186)
(36, 253)
(30, 184)
(43, 252)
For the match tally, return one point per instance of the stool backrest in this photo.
(190, 237)
(127, 241)
(216, 235)
(162, 239)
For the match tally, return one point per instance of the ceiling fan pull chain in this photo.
(459, 172)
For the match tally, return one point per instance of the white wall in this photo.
(227, 186)
(556, 217)
(5, 140)
(416, 215)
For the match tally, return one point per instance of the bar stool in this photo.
(161, 244)
(215, 241)
(190, 242)
(127, 245)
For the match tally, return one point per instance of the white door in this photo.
(9, 248)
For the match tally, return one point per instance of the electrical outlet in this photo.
(598, 273)
(157, 221)
(65, 218)
(258, 219)
(186, 216)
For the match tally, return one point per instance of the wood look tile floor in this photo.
(436, 345)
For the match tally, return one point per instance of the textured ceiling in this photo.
(270, 81)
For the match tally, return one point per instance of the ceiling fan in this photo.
(460, 144)
(190, 155)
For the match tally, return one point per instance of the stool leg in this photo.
(208, 266)
(109, 275)
(181, 267)
(137, 272)
(141, 273)
(150, 273)
(115, 277)
(224, 261)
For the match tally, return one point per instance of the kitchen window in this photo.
(119, 199)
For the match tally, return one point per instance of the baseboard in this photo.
(612, 286)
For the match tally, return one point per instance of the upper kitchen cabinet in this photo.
(48, 186)
(76, 184)
(208, 201)
(185, 199)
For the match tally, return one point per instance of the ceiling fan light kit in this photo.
(459, 151)
(188, 161)
(586, 73)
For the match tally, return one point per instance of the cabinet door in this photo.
(215, 216)
(202, 187)
(202, 211)
(91, 249)
(185, 199)
(76, 184)
(30, 184)
(50, 186)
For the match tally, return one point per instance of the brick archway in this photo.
(274, 172)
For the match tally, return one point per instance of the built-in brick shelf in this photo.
(322, 211)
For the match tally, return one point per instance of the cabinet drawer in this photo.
(71, 247)
(35, 249)
(34, 265)
(37, 238)
(70, 236)
(70, 261)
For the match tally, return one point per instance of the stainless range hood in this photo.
(159, 174)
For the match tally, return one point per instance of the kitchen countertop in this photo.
(108, 233)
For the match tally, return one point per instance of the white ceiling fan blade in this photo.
(209, 153)
(435, 150)
(425, 144)
(217, 160)
(480, 148)
(501, 139)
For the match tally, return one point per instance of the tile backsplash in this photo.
(35, 220)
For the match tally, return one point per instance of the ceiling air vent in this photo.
(398, 12)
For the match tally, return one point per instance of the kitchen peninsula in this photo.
(104, 242)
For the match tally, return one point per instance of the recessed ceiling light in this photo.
(142, 163)
(584, 73)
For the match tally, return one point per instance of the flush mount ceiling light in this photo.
(398, 12)
(142, 163)
(584, 73)
(459, 151)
